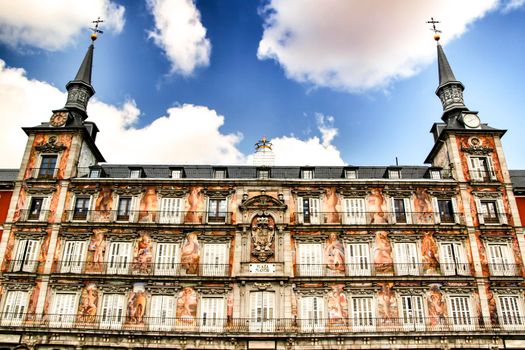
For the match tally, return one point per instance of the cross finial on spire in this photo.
(96, 30)
(436, 31)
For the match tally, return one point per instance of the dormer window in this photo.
(176, 173)
(47, 166)
(219, 174)
(350, 173)
(135, 173)
(263, 174)
(394, 173)
(94, 173)
(307, 174)
(435, 174)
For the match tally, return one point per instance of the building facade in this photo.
(99, 256)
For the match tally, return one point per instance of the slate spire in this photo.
(450, 90)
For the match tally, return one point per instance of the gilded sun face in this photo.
(58, 119)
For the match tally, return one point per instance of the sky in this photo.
(329, 82)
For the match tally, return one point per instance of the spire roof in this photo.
(445, 72)
(84, 72)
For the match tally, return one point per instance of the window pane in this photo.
(47, 166)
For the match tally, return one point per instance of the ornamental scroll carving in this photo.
(263, 233)
(51, 146)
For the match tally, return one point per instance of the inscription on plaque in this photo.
(262, 268)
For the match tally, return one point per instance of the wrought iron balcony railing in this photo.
(494, 219)
(27, 215)
(364, 323)
(42, 173)
(482, 175)
(147, 216)
(379, 218)
(29, 266)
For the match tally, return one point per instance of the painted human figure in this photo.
(186, 304)
(429, 253)
(97, 246)
(436, 305)
(376, 207)
(337, 306)
(387, 304)
(190, 254)
(143, 256)
(87, 309)
(334, 254)
(383, 262)
(423, 207)
(136, 307)
(330, 205)
(195, 201)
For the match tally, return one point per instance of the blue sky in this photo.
(330, 82)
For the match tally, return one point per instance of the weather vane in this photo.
(263, 143)
(96, 30)
(436, 31)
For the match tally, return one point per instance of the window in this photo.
(47, 166)
(63, 310)
(212, 314)
(217, 210)
(350, 173)
(354, 211)
(510, 311)
(170, 210)
(219, 174)
(94, 173)
(262, 305)
(38, 208)
(81, 208)
(307, 174)
(407, 258)
(310, 259)
(119, 257)
(126, 206)
(215, 259)
(453, 259)
(135, 173)
(308, 210)
(394, 174)
(363, 313)
(435, 174)
(263, 174)
(167, 256)
(73, 257)
(26, 255)
(162, 313)
(312, 314)
(501, 260)
(15, 308)
(491, 212)
(358, 259)
(412, 314)
(481, 169)
(112, 313)
(401, 210)
(445, 210)
(460, 313)
(176, 173)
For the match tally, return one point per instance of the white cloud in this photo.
(180, 33)
(512, 5)
(355, 45)
(52, 25)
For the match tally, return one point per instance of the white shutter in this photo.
(480, 211)
(167, 256)
(490, 168)
(408, 210)
(447, 259)
(15, 308)
(310, 259)
(501, 211)
(112, 313)
(407, 258)
(72, 259)
(44, 211)
(393, 210)
(212, 314)
(412, 311)
(358, 259)
(476, 169)
(435, 205)
(63, 310)
(119, 257)
(26, 255)
(363, 313)
(510, 312)
(312, 314)
(460, 313)
(215, 259)
(314, 210)
(19, 256)
(500, 260)
(133, 210)
(262, 311)
(462, 265)
(170, 212)
(162, 311)
(455, 210)
(300, 210)
(355, 211)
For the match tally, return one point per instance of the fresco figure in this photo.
(96, 249)
(187, 305)
(195, 206)
(387, 305)
(87, 308)
(136, 306)
(229, 308)
(142, 257)
(493, 311)
(337, 306)
(334, 255)
(330, 202)
(436, 305)
(103, 206)
(429, 251)
(190, 254)
(383, 262)
(376, 207)
(424, 212)
(33, 300)
(148, 206)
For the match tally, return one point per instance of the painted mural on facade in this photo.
(190, 254)
(383, 262)
(376, 206)
(96, 251)
(429, 254)
(136, 305)
(142, 255)
(437, 311)
(148, 205)
(423, 210)
(87, 307)
(334, 255)
(103, 205)
(387, 310)
(187, 305)
(195, 206)
(337, 306)
(331, 206)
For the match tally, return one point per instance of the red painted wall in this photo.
(5, 200)
(521, 208)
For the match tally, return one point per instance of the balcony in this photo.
(482, 175)
(27, 266)
(189, 324)
(368, 269)
(494, 218)
(47, 173)
(504, 270)
(27, 215)
(382, 218)
(141, 269)
(146, 217)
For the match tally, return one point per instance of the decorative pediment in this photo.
(450, 237)
(114, 289)
(404, 192)
(478, 150)
(308, 192)
(218, 193)
(30, 234)
(357, 238)
(39, 190)
(76, 235)
(85, 190)
(213, 291)
(121, 237)
(262, 285)
(262, 202)
(129, 190)
(485, 194)
(14, 286)
(173, 289)
(443, 193)
(51, 146)
(512, 290)
(400, 237)
(313, 292)
(321, 238)
(172, 191)
(353, 191)
(215, 238)
(496, 238)
(166, 237)
(72, 287)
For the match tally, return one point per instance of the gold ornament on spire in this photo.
(437, 36)
(96, 30)
(263, 143)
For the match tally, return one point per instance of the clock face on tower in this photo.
(58, 119)
(471, 120)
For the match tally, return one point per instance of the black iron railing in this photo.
(380, 218)
(147, 216)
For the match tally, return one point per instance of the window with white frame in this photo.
(126, 210)
(15, 308)
(453, 260)
(26, 255)
(401, 210)
(358, 259)
(81, 207)
(394, 174)
(350, 173)
(219, 173)
(170, 210)
(407, 258)
(307, 174)
(435, 174)
(310, 259)
(363, 311)
(48, 163)
(445, 210)
(112, 311)
(262, 308)
(167, 257)
(63, 309)
(217, 210)
(412, 312)
(510, 311)
(38, 209)
(73, 256)
(119, 255)
(212, 314)
(481, 169)
(308, 210)
(135, 173)
(176, 173)
(312, 314)
(354, 212)
(263, 174)
(215, 259)
(501, 259)
(162, 313)
(460, 312)
(491, 211)
(94, 173)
